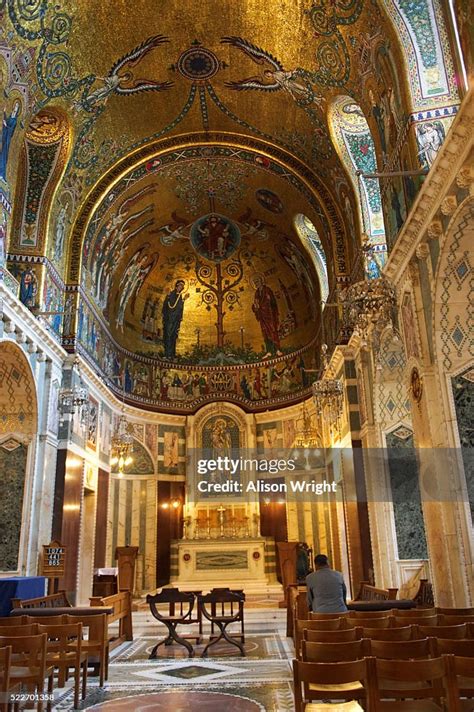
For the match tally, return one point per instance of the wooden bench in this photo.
(55, 600)
(367, 592)
(121, 605)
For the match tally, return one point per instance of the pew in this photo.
(54, 600)
(121, 605)
(367, 592)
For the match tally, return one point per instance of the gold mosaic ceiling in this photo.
(222, 106)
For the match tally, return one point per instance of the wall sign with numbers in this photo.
(54, 560)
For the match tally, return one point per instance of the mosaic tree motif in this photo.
(310, 238)
(354, 143)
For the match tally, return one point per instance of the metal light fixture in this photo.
(328, 395)
(370, 302)
(306, 435)
(122, 445)
(74, 396)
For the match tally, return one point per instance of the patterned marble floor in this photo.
(223, 681)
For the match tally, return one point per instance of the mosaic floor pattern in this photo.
(222, 682)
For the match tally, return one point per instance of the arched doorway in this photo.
(18, 427)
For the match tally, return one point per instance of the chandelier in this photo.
(369, 302)
(328, 396)
(122, 445)
(306, 435)
(74, 396)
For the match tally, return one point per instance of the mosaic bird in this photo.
(270, 80)
(121, 80)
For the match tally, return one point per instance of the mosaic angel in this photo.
(273, 79)
(121, 79)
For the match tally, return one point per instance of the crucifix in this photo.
(221, 511)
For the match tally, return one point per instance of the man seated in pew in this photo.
(326, 588)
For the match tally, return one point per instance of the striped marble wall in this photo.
(132, 521)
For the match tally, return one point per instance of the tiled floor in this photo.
(259, 682)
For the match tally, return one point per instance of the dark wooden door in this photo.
(169, 526)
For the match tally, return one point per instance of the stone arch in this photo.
(225, 410)
(452, 328)
(152, 156)
(42, 162)
(18, 427)
(310, 239)
(423, 38)
(352, 138)
(142, 463)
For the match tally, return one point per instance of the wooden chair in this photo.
(330, 624)
(446, 646)
(386, 622)
(64, 651)
(444, 631)
(400, 649)
(332, 636)
(338, 681)
(415, 620)
(399, 682)
(13, 620)
(231, 606)
(29, 665)
(172, 598)
(313, 616)
(5, 688)
(18, 630)
(333, 624)
(414, 613)
(443, 619)
(370, 614)
(334, 652)
(462, 682)
(222, 614)
(455, 611)
(96, 645)
(50, 620)
(388, 634)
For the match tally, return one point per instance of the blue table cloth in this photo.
(19, 587)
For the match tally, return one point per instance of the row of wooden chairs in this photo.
(23, 662)
(434, 680)
(312, 651)
(396, 617)
(323, 633)
(65, 649)
(344, 622)
(409, 632)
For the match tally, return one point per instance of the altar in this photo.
(233, 562)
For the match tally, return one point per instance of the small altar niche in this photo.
(227, 520)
